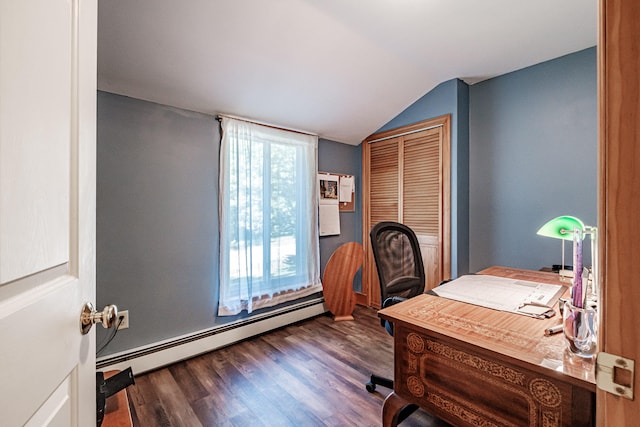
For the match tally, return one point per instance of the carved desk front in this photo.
(473, 366)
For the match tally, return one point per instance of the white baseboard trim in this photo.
(156, 355)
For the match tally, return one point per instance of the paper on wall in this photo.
(329, 220)
(328, 186)
(346, 188)
(329, 213)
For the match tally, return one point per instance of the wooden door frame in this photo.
(369, 273)
(619, 196)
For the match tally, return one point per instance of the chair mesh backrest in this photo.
(398, 260)
(396, 255)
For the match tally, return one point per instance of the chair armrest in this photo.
(392, 301)
(388, 303)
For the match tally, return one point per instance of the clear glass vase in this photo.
(580, 326)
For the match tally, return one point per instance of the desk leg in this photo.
(395, 409)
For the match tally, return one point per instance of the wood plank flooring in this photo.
(308, 374)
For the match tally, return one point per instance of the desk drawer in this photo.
(467, 385)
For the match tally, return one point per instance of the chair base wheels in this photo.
(376, 380)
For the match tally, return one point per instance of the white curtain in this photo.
(269, 245)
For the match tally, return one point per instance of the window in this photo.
(268, 216)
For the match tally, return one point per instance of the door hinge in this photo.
(615, 374)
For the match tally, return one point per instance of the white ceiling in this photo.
(338, 68)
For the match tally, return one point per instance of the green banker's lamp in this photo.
(562, 228)
(579, 320)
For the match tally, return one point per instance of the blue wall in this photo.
(451, 97)
(157, 217)
(523, 151)
(157, 211)
(338, 158)
(533, 138)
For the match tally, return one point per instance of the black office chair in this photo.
(400, 270)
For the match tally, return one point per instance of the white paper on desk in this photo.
(499, 293)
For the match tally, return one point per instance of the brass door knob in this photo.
(89, 316)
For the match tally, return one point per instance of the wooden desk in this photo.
(117, 412)
(475, 366)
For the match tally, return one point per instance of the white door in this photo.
(47, 211)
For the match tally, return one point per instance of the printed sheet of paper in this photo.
(501, 293)
(346, 188)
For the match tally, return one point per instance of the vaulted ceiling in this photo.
(338, 68)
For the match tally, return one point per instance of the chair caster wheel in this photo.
(371, 387)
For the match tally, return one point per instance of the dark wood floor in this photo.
(308, 374)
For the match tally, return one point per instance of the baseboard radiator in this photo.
(157, 355)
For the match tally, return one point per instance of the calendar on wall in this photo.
(337, 194)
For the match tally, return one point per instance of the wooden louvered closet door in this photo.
(422, 197)
(406, 179)
(384, 185)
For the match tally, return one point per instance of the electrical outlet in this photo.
(124, 315)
